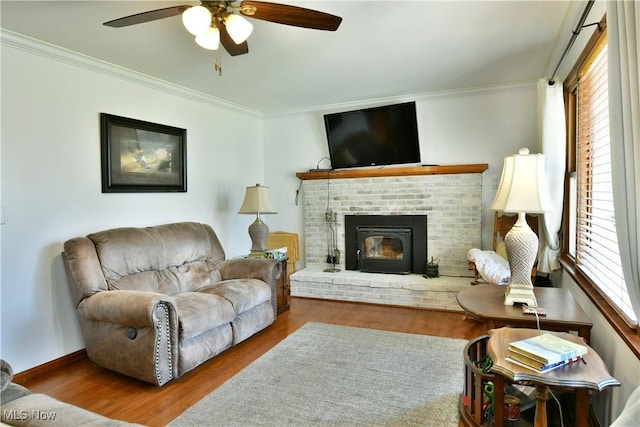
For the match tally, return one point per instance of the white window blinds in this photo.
(597, 253)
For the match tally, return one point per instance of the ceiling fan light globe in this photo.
(209, 39)
(196, 19)
(239, 28)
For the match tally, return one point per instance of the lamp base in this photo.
(522, 248)
(256, 254)
(521, 294)
(258, 231)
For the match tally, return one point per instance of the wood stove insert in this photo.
(386, 243)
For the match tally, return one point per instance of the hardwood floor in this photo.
(83, 384)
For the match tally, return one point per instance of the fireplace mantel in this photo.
(393, 171)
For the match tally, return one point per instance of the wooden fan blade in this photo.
(231, 46)
(290, 15)
(151, 15)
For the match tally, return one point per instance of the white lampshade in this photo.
(196, 19)
(257, 200)
(209, 39)
(523, 185)
(238, 27)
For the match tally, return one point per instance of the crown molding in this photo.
(345, 106)
(38, 47)
(50, 51)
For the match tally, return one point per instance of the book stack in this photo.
(545, 352)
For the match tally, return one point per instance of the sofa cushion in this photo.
(183, 249)
(175, 279)
(200, 312)
(201, 348)
(249, 322)
(243, 294)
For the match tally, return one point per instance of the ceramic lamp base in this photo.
(520, 294)
(522, 249)
(258, 231)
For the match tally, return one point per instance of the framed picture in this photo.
(142, 157)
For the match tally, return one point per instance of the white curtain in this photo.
(623, 20)
(552, 135)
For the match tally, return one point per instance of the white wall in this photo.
(51, 188)
(457, 127)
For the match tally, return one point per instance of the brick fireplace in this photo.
(451, 202)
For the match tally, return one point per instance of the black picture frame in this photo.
(142, 157)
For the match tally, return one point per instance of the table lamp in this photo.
(523, 189)
(257, 200)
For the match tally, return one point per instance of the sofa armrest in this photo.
(83, 268)
(132, 332)
(12, 392)
(43, 410)
(267, 270)
(630, 415)
(123, 307)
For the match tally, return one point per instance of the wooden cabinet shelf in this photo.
(393, 171)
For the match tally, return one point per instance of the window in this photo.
(592, 239)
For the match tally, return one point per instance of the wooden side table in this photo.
(486, 303)
(283, 289)
(578, 376)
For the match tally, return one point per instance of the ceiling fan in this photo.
(220, 22)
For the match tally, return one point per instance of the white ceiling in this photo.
(383, 49)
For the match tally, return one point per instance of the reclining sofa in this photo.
(154, 303)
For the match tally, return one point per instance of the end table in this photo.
(579, 377)
(486, 303)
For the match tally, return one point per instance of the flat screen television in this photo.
(377, 136)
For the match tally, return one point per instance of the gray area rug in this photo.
(329, 375)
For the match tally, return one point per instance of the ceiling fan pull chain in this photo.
(217, 65)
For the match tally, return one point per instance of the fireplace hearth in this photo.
(386, 243)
